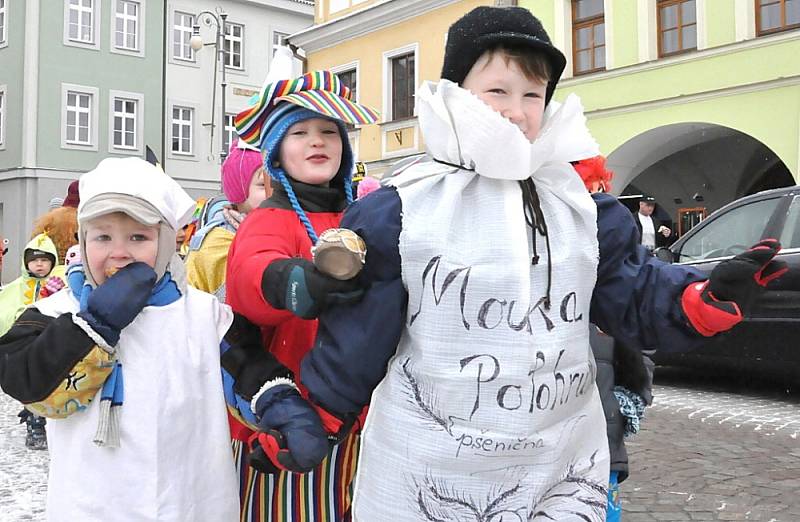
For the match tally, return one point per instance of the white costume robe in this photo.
(174, 462)
(489, 411)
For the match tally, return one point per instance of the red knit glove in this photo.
(53, 285)
(721, 302)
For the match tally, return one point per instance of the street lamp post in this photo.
(196, 42)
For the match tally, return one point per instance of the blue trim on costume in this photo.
(113, 386)
(231, 398)
(165, 292)
(301, 214)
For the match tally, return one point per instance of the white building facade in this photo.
(194, 134)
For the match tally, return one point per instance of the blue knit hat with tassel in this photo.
(275, 128)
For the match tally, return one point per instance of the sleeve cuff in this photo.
(280, 381)
(94, 336)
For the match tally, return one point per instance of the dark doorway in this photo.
(693, 169)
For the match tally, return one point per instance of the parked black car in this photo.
(769, 340)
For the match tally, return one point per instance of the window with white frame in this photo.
(181, 34)
(125, 123)
(233, 45)
(278, 40)
(3, 12)
(229, 134)
(80, 21)
(79, 118)
(182, 118)
(126, 25)
(403, 83)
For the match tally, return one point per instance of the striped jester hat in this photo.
(318, 91)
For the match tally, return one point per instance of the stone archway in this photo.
(695, 164)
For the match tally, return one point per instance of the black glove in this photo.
(295, 284)
(290, 433)
(744, 278)
(732, 289)
(114, 304)
(247, 361)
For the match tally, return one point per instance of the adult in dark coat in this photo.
(647, 219)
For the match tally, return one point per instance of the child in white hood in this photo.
(126, 363)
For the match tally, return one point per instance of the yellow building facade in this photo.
(386, 49)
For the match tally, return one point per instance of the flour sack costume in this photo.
(492, 415)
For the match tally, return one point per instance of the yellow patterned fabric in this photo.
(205, 268)
(77, 391)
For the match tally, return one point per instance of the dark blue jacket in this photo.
(636, 300)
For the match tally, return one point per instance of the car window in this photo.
(790, 238)
(731, 233)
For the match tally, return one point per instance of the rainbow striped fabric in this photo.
(322, 495)
(319, 91)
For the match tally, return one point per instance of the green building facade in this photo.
(694, 102)
(80, 80)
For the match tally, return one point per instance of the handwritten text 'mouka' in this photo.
(493, 312)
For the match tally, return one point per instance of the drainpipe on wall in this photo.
(165, 48)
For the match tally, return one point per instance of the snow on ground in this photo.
(23, 472)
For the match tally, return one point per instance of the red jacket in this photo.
(266, 235)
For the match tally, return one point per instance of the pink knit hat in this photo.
(367, 185)
(238, 170)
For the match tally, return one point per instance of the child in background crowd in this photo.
(39, 259)
(165, 453)
(624, 374)
(244, 188)
(39, 263)
(61, 225)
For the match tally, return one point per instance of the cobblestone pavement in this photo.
(715, 455)
(23, 472)
(703, 454)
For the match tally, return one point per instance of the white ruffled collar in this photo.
(461, 129)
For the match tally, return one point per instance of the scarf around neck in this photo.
(165, 292)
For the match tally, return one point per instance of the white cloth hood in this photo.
(139, 179)
(460, 128)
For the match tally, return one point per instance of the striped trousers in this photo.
(322, 495)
